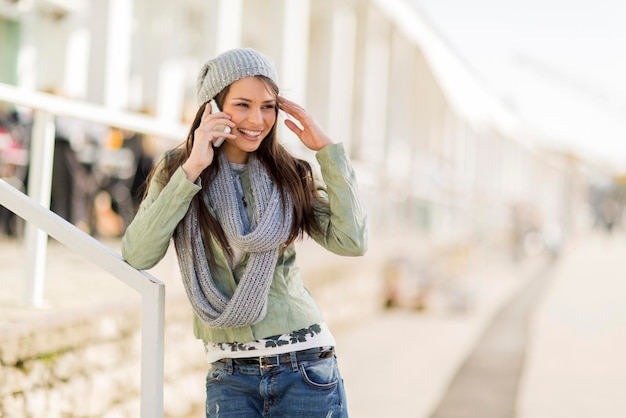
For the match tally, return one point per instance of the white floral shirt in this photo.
(317, 335)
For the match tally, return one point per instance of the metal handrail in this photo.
(151, 289)
(56, 105)
(45, 108)
(42, 222)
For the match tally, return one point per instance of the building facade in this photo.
(437, 157)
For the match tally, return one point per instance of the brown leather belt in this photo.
(311, 354)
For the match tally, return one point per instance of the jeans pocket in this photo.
(215, 374)
(321, 374)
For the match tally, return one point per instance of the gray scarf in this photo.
(270, 227)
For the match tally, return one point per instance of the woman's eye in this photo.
(247, 106)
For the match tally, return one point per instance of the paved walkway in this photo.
(486, 385)
(572, 363)
(427, 347)
(576, 366)
(403, 364)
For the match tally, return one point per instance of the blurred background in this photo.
(489, 141)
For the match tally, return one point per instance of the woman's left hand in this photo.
(311, 134)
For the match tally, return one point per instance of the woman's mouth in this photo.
(250, 133)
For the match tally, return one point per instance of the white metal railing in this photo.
(45, 107)
(152, 290)
(41, 222)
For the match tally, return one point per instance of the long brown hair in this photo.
(292, 176)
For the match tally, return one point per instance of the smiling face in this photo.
(252, 107)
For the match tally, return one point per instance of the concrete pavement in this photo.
(402, 363)
(486, 384)
(422, 351)
(576, 366)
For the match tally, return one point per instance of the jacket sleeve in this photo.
(342, 220)
(147, 238)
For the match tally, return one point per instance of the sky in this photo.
(559, 64)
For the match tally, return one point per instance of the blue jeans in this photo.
(305, 389)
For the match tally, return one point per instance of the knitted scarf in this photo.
(270, 227)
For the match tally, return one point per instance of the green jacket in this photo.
(290, 306)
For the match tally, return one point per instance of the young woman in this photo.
(234, 212)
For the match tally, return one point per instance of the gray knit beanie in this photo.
(229, 67)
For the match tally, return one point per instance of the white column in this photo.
(293, 68)
(294, 64)
(171, 66)
(97, 51)
(361, 41)
(77, 63)
(27, 54)
(39, 187)
(332, 63)
(400, 101)
(341, 87)
(118, 53)
(375, 84)
(228, 25)
(171, 90)
(321, 39)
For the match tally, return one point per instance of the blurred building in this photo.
(438, 157)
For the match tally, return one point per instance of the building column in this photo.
(293, 61)
(118, 53)
(342, 66)
(27, 57)
(9, 39)
(399, 139)
(361, 10)
(110, 52)
(98, 40)
(228, 27)
(374, 93)
(76, 65)
(294, 51)
(332, 63)
(368, 100)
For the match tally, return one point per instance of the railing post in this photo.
(152, 352)
(39, 188)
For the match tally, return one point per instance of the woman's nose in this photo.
(255, 116)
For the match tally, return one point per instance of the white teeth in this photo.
(250, 133)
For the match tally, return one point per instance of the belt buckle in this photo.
(326, 352)
(266, 366)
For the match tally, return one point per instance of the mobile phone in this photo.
(226, 129)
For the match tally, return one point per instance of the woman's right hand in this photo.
(202, 151)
